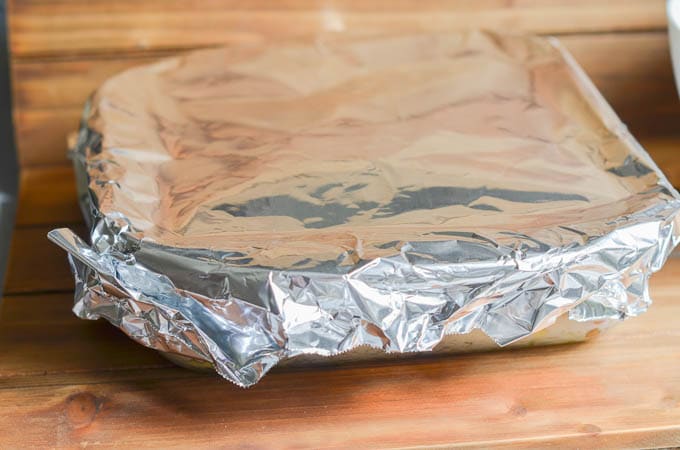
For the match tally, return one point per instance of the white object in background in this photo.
(673, 11)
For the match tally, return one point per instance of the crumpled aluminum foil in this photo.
(252, 204)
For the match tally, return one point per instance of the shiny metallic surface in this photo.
(253, 204)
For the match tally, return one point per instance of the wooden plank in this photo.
(621, 390)
(82, 26)
(635, 74)
(40, 337)
(58, 84)
(47, 195)
(41, 135)
(609, 58)
(101, 6)
(37, 265)
(632, 70)
(666, 153)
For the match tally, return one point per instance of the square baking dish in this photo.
(289, 202)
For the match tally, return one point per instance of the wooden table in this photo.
(68, 382)
(71, 383)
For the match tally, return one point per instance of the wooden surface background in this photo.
(61, 50)
(78, 383)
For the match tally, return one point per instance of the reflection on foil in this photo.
(329, 214)
(252, 204)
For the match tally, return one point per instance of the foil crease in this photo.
(251, 204)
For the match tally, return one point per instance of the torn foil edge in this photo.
(605, 279)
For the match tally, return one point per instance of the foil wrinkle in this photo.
(252, 204)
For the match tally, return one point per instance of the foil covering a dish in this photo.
(255, 203)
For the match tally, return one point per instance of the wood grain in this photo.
(58, 84)
(37, 265)
(40, 28)
(47, 195)
(620, 390)
(666, 153)
(41, 337)
(633, 72)
(41, 135)
(66, 382)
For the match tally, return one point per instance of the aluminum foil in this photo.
(250, 204)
